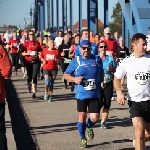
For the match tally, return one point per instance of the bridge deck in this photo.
(37, 124)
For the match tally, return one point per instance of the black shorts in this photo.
(106, 95)
(140, 109)
(93, 105)
(50, 72)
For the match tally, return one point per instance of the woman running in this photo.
(31, 49)
(109, 67)
(50, 57)
(14, 45)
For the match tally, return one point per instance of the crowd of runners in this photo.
(93, 65)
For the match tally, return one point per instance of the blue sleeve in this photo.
(77, 51)
(71, 68)
(94, 50)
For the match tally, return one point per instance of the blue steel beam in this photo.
(52, 13)
(80, 15)
(41, 8)
(48, 14)
(57, 14)
(64, 17)
(92, 15)
(105, 13)
(71, 16)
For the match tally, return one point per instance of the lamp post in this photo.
(31, 14)
(25, 18)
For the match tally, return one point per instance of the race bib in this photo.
(107, 78)
(67, 61)
(50, 57)
(89, 84)
(142, 78)
(65, 49)
(33, 54)
(15, 44)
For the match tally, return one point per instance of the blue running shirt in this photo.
(108, 76)
(90, 69)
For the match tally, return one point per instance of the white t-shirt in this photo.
(58, 41)
(137, 71)
(7, 37)
(148, 41)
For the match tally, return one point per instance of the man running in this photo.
(137, 69)
(87, 70)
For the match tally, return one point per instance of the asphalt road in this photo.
(39, 125)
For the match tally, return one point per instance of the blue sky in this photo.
(13, 11)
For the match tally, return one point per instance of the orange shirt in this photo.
(92, 39)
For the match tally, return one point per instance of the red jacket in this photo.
(5, 71)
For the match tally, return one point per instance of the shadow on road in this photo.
(20, 126)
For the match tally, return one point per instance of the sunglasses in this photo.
(102, 46)
(88, 48)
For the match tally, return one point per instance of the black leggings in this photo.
(15, 60)
(32, 71)
(22, 60)
(106, 95)
(64, 67)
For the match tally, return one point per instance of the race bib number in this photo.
(65, 49)
(142, 78)
(50, 57)
(15, 45)
(67, 61)
(89, 84)
(109, 53)
(107, 78)
(33, 54)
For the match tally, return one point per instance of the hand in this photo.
(110, 68)
(44, 62)
(78, 80)
(28, 52)
(63, 54)
(121, 98)
(117, 60)
(103, 85)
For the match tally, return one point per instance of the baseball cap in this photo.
(107, 30)
(85, 43)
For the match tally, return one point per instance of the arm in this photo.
(69, 71)
(119, 74)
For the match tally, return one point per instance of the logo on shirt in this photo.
(142, 77)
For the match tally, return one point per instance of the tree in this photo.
(116, 24)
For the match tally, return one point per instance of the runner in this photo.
(87, 89)
(31, 49)
(22, 58)
(109, 67)
(122, 53)
(137, 69)
(50, 57)
(65, 60)
(14, 45)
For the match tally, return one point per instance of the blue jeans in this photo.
(3, 140)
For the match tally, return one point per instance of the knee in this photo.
(47, 82)
(95, 118)
(82, 117)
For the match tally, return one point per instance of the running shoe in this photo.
(90, 134)
(83, 143)
(113, 98)
(33, 95)
(46, 97)
(28, 90)
(134, 143)
(50, 99)
(103, 125)
(62, 79)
